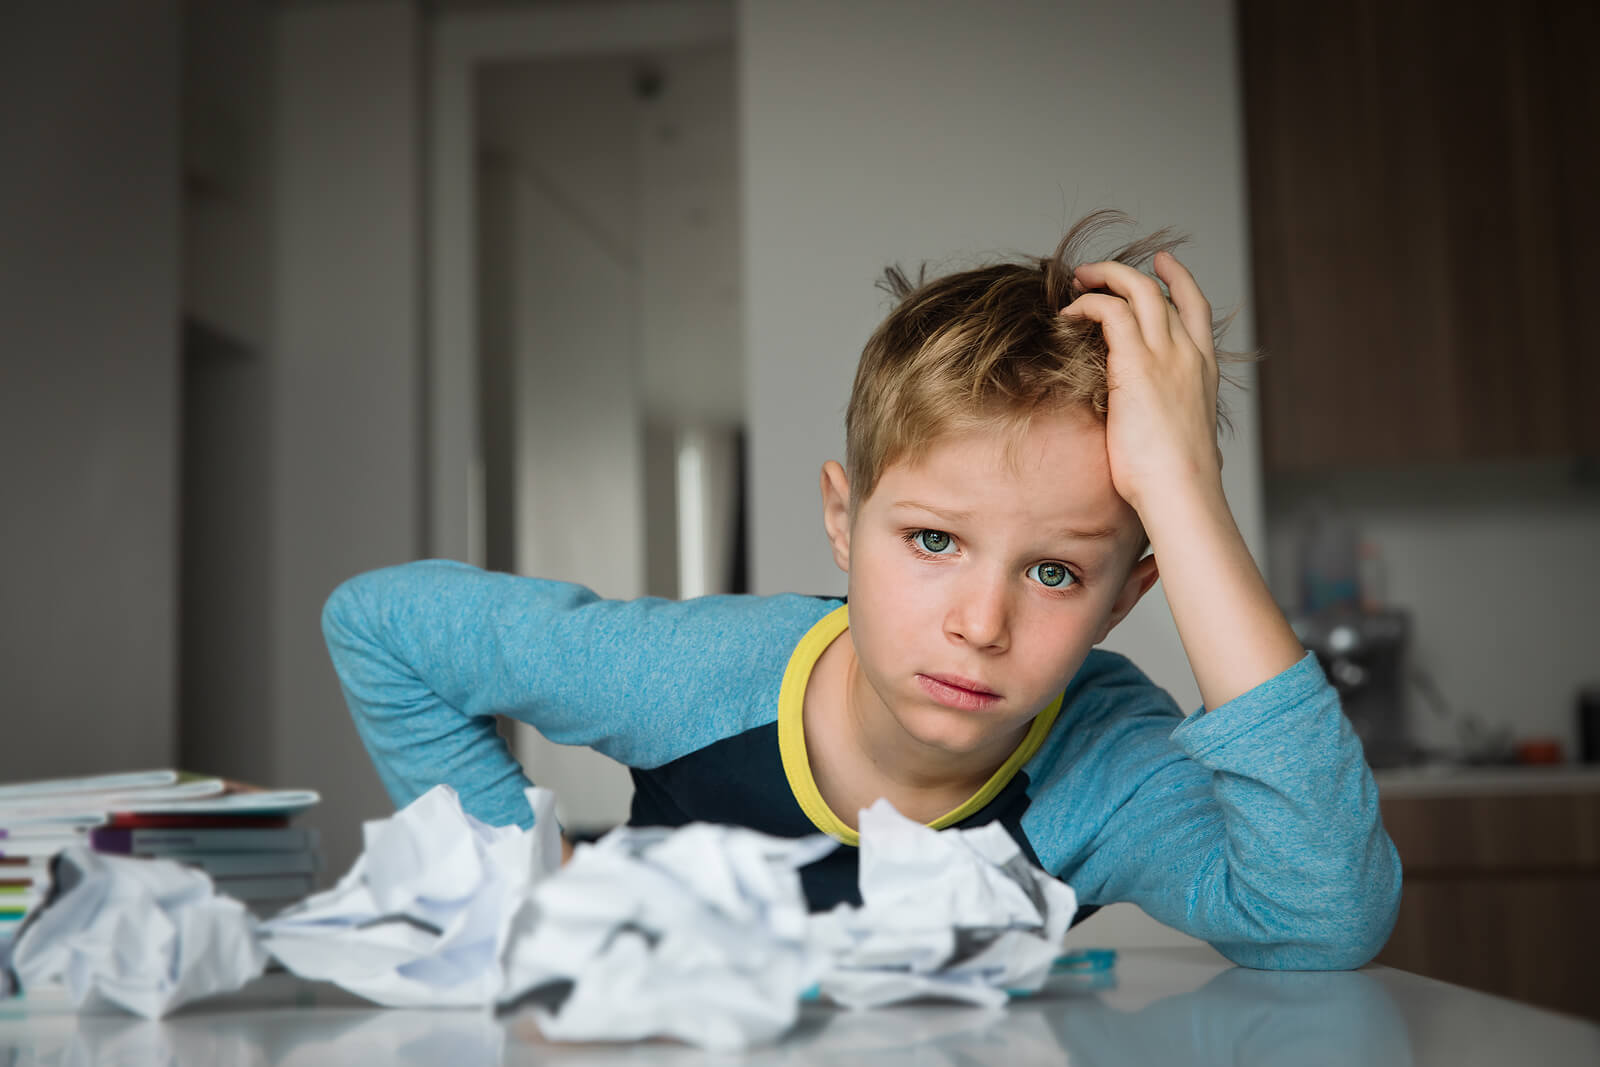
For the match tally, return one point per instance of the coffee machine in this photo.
(1363, 653)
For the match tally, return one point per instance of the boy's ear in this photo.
(1139, 582)
(836, 512)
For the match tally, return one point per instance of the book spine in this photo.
(275, 887)
(133, 820)
(233, 864)
(126, 840)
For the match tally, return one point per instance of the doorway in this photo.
(605, 340)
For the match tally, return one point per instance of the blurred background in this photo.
(291, 290)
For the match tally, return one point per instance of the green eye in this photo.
(1053, 575)
(933, 541)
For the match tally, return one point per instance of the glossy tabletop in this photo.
(1157, 1006)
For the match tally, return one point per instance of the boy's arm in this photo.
(429, 653)
(1265, 813)
(417, 649)
(1233, 632)
(1161, 434)
(1255, 827)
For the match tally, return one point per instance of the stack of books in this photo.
(240, 835)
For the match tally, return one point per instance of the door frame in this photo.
(460, 43)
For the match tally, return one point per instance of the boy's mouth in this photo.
(954, 691)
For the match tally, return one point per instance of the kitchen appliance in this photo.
(1364, 656)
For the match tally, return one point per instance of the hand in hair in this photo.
(1161, 444)
(1161, 418)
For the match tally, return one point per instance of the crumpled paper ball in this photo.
(958, 914)
(146, 935)
(697, 934)
(423, 915)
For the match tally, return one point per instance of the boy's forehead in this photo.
(1052, 473)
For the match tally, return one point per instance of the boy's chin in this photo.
(960, 733)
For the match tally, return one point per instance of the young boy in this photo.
(1016, 436)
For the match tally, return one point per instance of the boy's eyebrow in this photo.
(943, 513)
(1068, 533)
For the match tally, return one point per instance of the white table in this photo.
(1177, 1006)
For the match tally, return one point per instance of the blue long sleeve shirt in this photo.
(1254, 825)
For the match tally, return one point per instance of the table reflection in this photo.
(1237, 1017)
(1244, 1017)
(279, 1037)
(1240, 1017)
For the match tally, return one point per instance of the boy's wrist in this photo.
(1232, 630)
(1178, 500)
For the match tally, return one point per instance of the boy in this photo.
(1016, 436)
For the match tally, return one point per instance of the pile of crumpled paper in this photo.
(959, 914)
(700, 934)
(423, 916)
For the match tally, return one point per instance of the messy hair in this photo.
(985, 347)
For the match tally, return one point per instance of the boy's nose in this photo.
(980, 615)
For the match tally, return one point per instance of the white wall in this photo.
(88, 386)
(900, 131)
(652, 182)
(347, 375)
(689, 217)
(579, 419)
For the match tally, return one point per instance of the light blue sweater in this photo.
(1254, 826)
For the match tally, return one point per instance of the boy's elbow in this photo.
(354, 607)
(1344, 929)
(337, 612)
(1376, 913)
(344, 613)
(1372, 904)
(349, 629)
(1344, 951)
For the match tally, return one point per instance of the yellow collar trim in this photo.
(792, 738)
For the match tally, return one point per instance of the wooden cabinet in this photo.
(1423, 184)
(1502, 894)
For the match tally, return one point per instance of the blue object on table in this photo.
(1092, 961)
(1086, 969)
(1085, 961)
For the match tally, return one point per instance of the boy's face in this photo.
(980, 580)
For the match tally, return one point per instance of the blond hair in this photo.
(982, 347)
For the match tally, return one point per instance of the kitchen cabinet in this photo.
(1502, 888)
(1422, 200)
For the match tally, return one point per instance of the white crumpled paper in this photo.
(945, 913)
(146, 935)
(422, 917)
(698, 934)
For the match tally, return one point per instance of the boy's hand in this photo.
(1161, 423)
(1161, 443)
